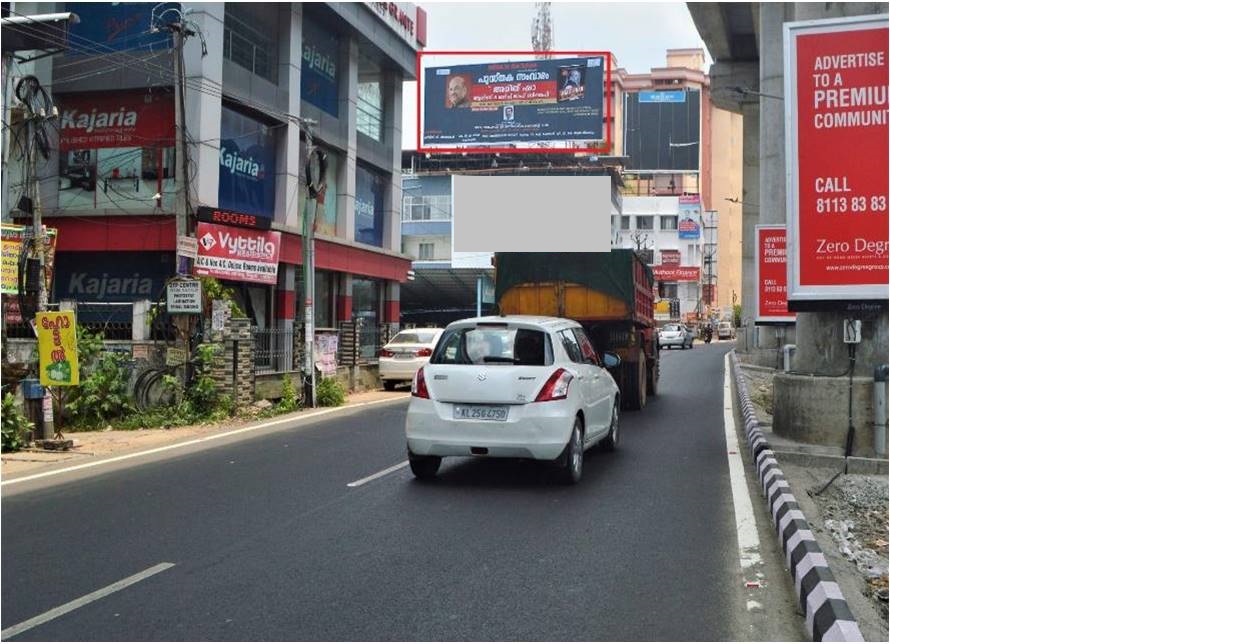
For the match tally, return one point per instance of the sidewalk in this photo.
(106, 444)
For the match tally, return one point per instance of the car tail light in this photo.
(385, 353)
(557, 387)
(424, 352)
(419, 385)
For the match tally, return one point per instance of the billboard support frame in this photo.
(813, 298)
(606, 120)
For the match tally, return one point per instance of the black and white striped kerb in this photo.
(827, 616)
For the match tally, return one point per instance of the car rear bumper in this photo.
(536, 430)
(666, 342)
(393, 369)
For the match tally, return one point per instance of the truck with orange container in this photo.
(610, 294)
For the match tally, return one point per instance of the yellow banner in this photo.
(11, 250)
(12, 247)
(58, 348)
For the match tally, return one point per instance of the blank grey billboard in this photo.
(538, 214)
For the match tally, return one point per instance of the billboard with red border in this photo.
(241, 254)
(836, 94)
(772, 275)
(504, 106)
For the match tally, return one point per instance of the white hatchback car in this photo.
(515, 386)
(407, 351)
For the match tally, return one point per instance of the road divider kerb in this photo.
(827, 615)
(202, 439)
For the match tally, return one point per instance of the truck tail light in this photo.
(557, 387)
(419, 385)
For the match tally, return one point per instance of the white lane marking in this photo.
(82, 601)
(202, 439)
(745, 520)
(378, 474)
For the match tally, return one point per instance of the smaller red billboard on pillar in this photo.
(772, 275)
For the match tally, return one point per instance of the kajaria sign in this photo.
(836, 94)
(231, 253)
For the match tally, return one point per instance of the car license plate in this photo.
(404, 354)
(480, 412)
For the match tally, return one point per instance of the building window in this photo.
(426, 251)
(427, 208)
(670, 222)
(246, 176)
(644, 222)
(624, 222)
(319, 73)
(370, 216)
(370, 99)
(251, 37)
(326, 219)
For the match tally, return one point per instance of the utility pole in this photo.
(183, 209)
(317, 195)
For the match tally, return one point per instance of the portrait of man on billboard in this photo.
(571, 82)
(457, 91)
(508, 112)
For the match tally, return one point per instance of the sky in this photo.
(637, 33)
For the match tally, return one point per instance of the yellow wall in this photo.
(728, 183)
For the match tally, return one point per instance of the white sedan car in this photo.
(407, 351)
(514, 387)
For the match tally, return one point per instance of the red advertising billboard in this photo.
(665, 273)
(669, 258)
(836, 79)
(231, 253)
(772, 275)
(118, 119)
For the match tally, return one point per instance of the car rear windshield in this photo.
(672, 327)
(492, 345)
(414, 337)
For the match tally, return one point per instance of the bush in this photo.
(737, 314)
(102, 396)
(330, 393)
(290, 400)
(14, 424)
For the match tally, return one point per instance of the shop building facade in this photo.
(261, 78)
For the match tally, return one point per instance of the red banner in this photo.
(676, 273)
(231, 253)
(839, 209)
(772, 275)
(122, 119)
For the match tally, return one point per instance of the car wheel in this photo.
(612, 441)
(572, 458)
(424, 467)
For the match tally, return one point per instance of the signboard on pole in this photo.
(559, 99)
(11, 252)
(772, 276)
(233, 253)
(58, 348)
(836, 95)
(689, 217)
(183, 296)
(186, 246)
